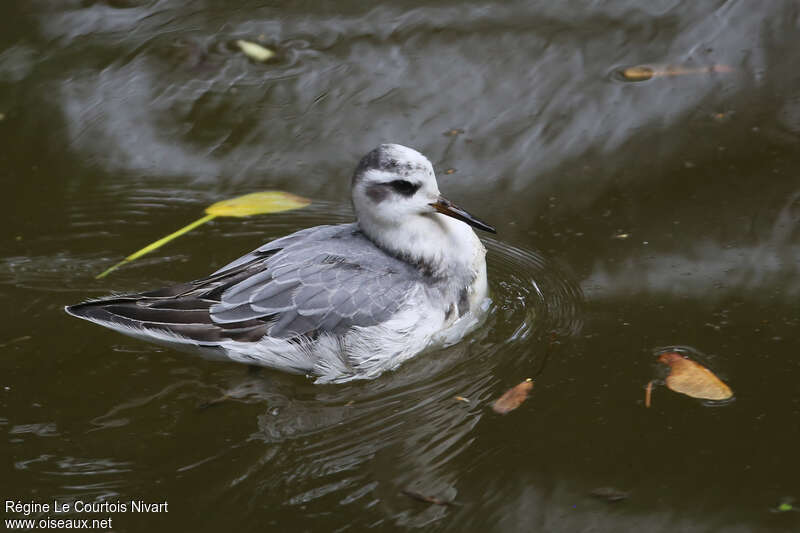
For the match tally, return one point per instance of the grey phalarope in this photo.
(336, 302)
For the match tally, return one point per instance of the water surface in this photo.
(630, 216)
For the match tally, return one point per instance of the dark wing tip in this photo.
(76, 310)
(89, 310)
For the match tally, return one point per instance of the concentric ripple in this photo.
(531, 291)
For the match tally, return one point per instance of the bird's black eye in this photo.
(406, 188)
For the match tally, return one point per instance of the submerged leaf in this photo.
(255, 51)
(693, 379)
(513, 397)
(257, 203)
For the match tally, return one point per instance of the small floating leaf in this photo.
(257, 203)
(693, 379)
(638, 73)
(646, 72)
(784, 507)
(513, 397)
(255, 51)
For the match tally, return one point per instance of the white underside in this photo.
(364, 352)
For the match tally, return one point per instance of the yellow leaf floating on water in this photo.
(513, 397)
(255, 51)
(257, 203)
(638, 73)
(693, 379)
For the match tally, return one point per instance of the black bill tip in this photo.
(446, 207)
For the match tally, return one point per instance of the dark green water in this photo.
(123, 119)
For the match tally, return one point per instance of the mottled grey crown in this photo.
(394, 158)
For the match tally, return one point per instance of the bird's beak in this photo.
(446, 207)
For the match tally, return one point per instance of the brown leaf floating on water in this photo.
(513, 397)
(693, 379)
(648, 393)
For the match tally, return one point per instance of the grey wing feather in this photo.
(326, 279)
(322, 279)
(278, 244)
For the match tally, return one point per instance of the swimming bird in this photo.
(336, 302)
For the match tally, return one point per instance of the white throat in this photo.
(437, 243)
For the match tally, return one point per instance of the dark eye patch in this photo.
(406, 188)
